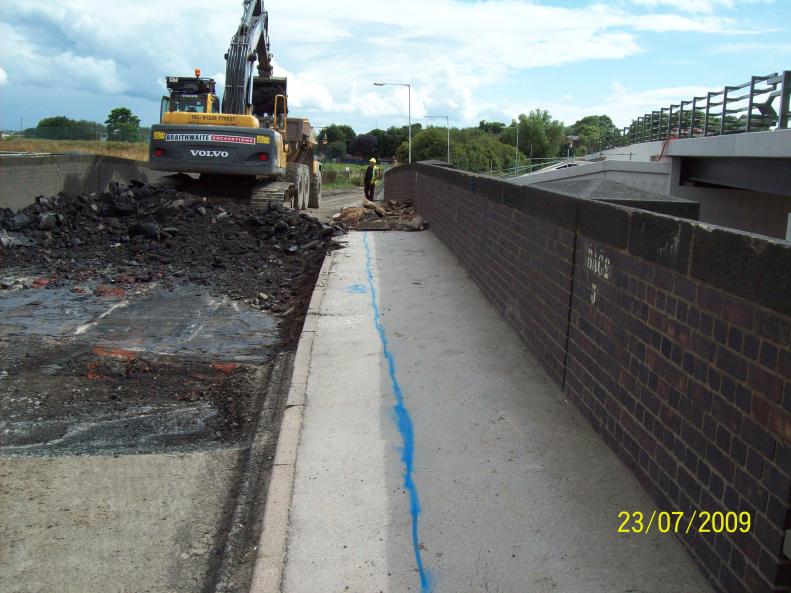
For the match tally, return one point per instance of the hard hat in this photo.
(373, 160)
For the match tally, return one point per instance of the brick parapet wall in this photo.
(672, 338)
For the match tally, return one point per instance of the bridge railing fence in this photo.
(761, 104)
(535, 164)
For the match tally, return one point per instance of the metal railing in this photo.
(748, 107)
(536, 164)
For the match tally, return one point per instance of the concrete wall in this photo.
(751, 211)
(22, 178)
(643, 152)
(762, 145)
(672, 338)
(653, 177)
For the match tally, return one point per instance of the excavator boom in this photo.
(250, 44)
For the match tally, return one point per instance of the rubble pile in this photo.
(131, 234)
(370, 216)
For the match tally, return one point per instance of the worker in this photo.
(370, 179)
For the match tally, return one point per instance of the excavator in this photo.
(249, 133)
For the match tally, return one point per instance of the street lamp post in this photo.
(447, 125)
(516, 148)
(409, 107)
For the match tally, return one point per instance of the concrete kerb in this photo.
(271, 550)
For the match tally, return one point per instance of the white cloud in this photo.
(697, 6)
(109, 48)
(28, 64)
(219, 79)
(621, 103)
(433, 47)
(304, 91)
(451, 51)
(75, 71)
(626, 104)
(3, 76)
(448, 62)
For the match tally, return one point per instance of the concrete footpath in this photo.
(435, 455)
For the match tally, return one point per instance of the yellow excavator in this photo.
(249, 133)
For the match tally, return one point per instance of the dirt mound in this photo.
(371, 216)
(139, 233)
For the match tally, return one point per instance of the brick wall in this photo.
(672, 338)
(22, 178)
(400, 187)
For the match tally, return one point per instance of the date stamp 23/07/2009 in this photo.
(680, 522)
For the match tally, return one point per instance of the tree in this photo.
(472, 149)
(334, 150)
(399, 136)
(339, 133)
(431, 143)
(540, 136)
(593, 131)
(492, 127)
(364, 146)
(60, 127)
(391, 140)
(381, 140)
(122, 125)
(58, 121)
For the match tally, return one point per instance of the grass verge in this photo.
(355, 178)
(127, 150)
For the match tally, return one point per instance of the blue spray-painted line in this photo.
(357, 288)
(403, 420)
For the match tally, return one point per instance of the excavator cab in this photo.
(189, 104)
(189, 95)
(194, 103)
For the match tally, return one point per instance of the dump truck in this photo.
(249, 133)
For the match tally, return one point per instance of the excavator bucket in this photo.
(264, 92)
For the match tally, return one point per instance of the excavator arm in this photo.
(250, 44)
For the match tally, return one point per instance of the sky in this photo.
(468, 60)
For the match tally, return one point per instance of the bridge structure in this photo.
(727, 154)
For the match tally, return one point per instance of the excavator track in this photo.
(283, 192)
(259, 192)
